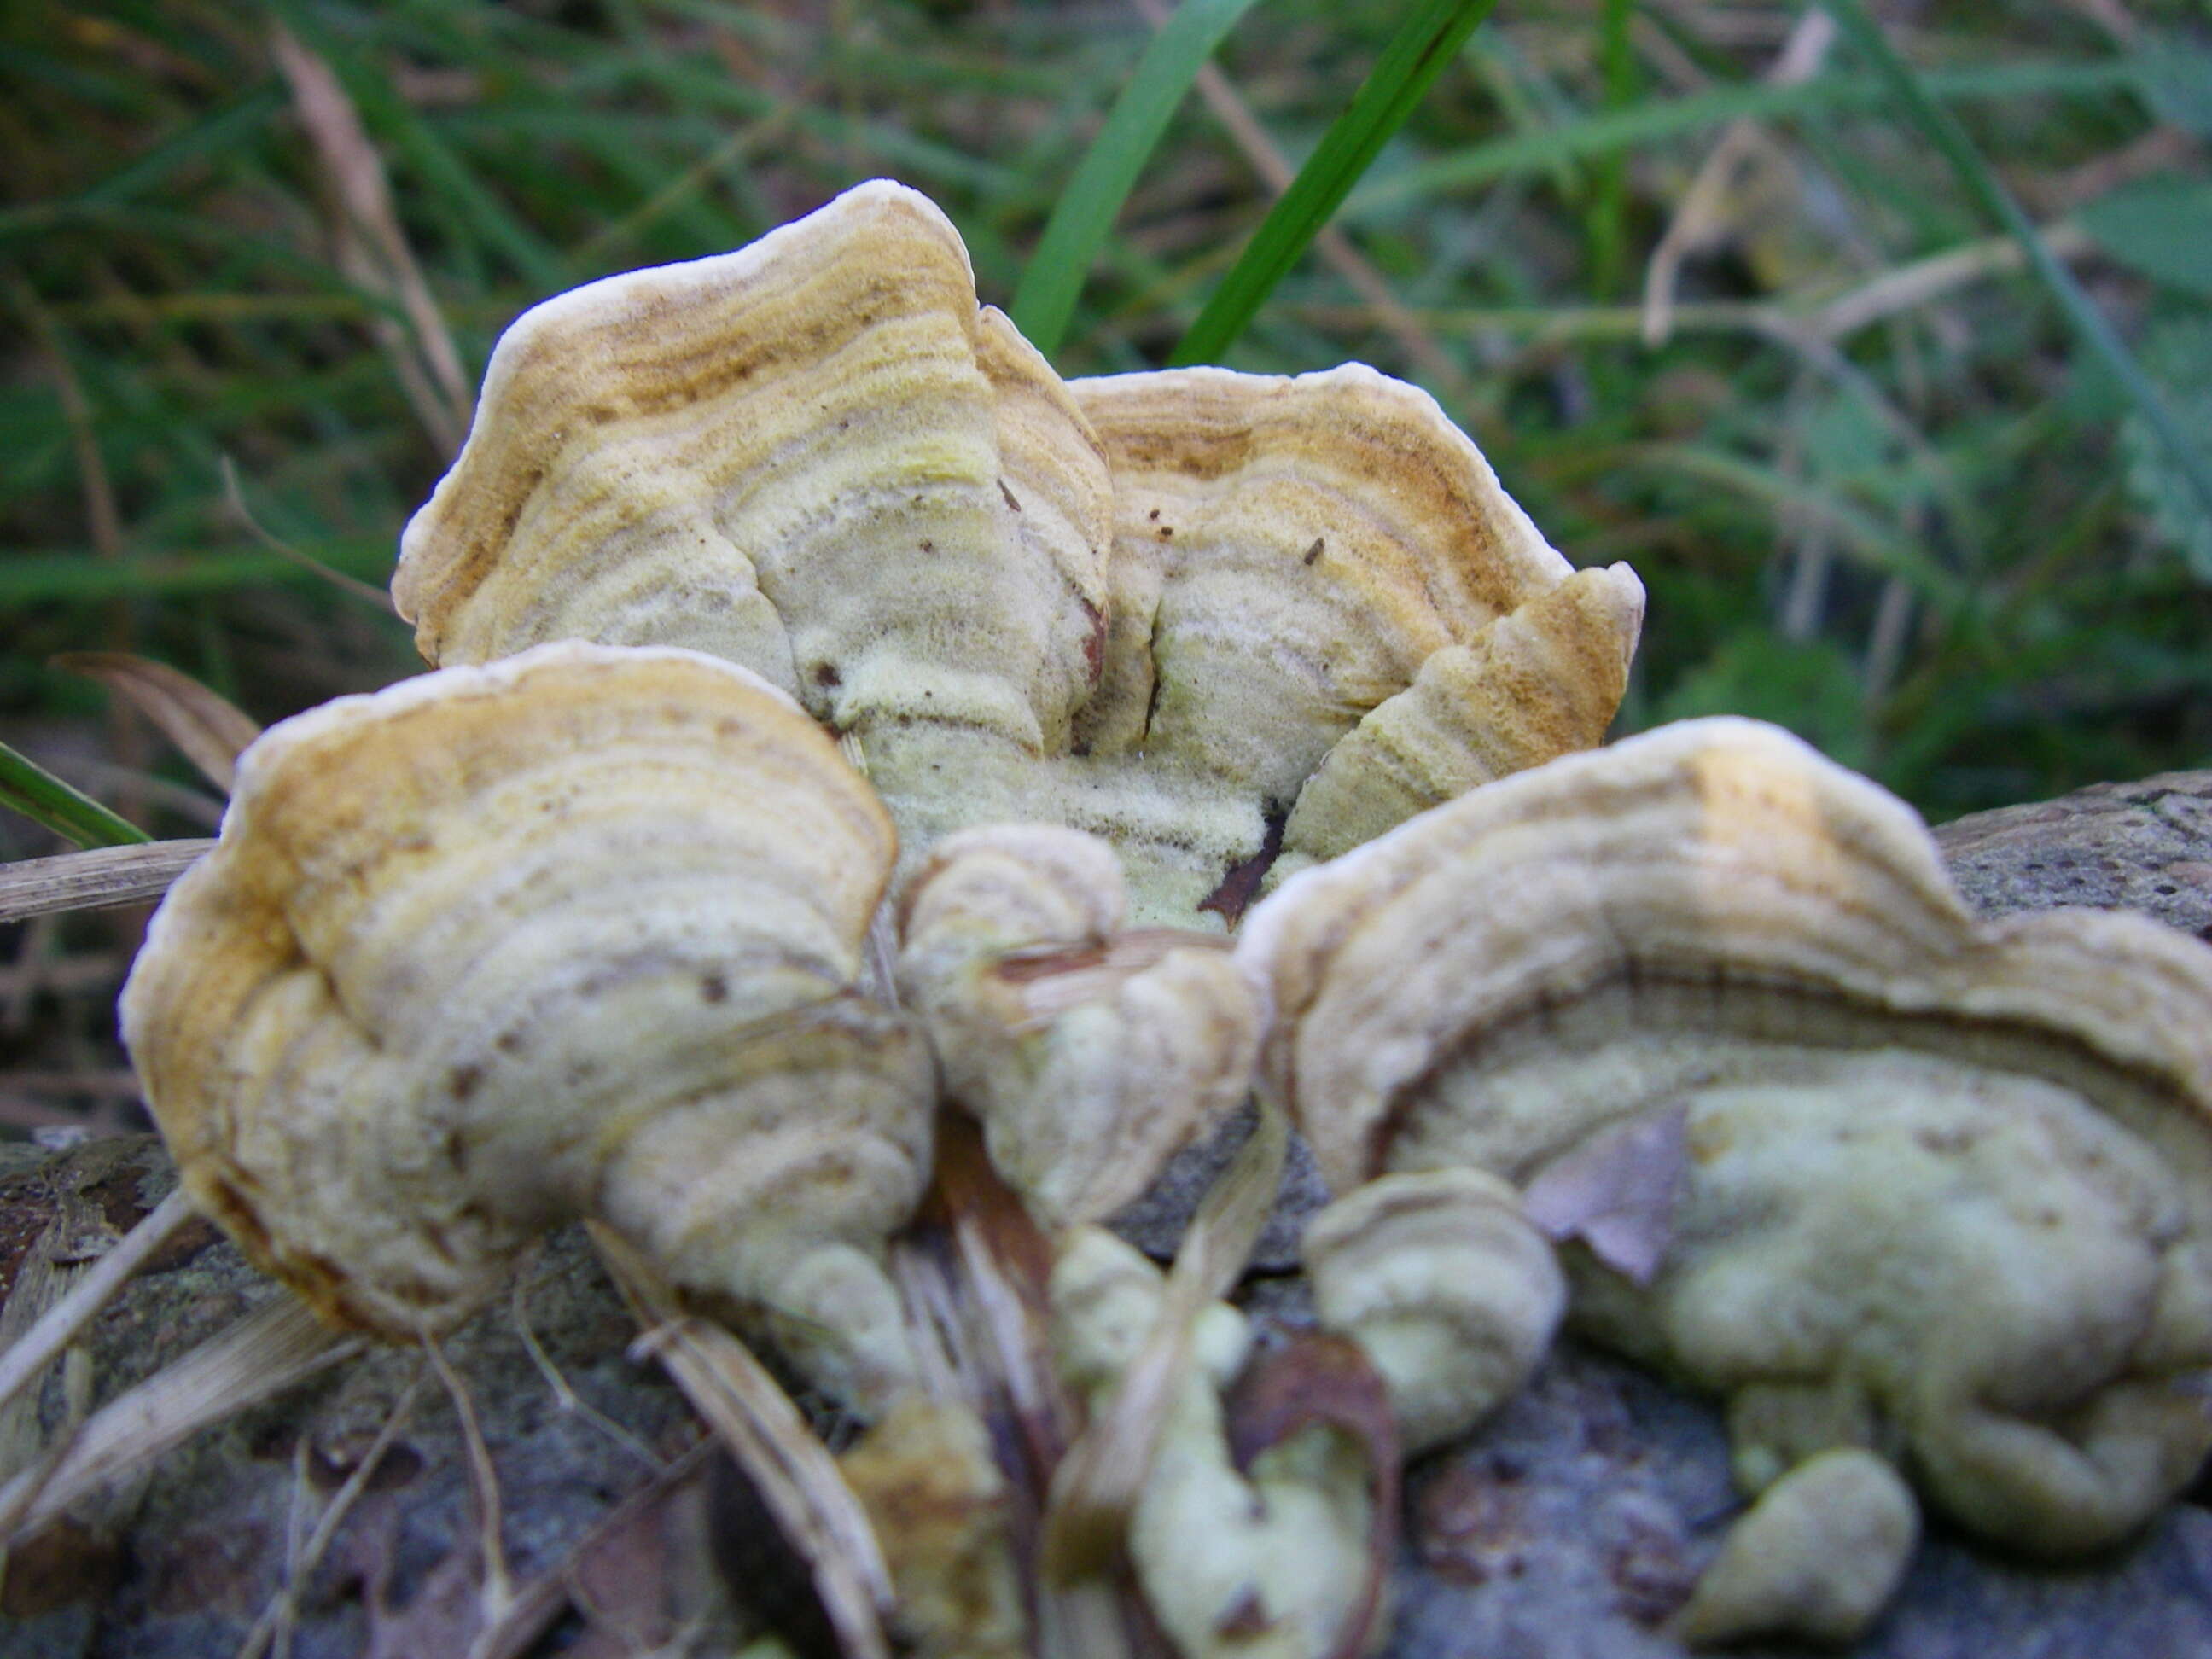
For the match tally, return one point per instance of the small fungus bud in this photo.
(1817, 1557)
(1454, 1295)
(1090, 1055)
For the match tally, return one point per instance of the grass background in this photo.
(1877, 487)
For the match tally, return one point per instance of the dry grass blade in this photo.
(28, 1356)
(1702, 214)
(1220, 1242)
(263, 1354)
(97, 878)
(565, 1397)
(980, 1307)
(796, 1476)
(1100, 1477)
(234, 499)
(1924, 280)
(51, 1265)
(984, 1302)
(210, 730)
(541, 1601)
(495, 1587)
(101, 517)
(431, 374)
(1940, 128)
(283, 1608)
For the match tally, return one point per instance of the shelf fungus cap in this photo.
(1325, 607)
(817, 456)
(1962, 1170)
(575, 934)
(1091, 1054)
(1175, 609)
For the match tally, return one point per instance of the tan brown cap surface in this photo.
(1949, 1182)
(574, 935)
(1147, 606)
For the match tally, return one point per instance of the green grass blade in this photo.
(28, 787)
(1429, 40)
(1654, 122)
(1942, 129)
(28, 579)
(394, 122)
(212, 137)
(1087, 208)
(1609, 214)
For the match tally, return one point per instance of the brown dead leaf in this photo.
(372, 248)
(973, 1271)
(27, 1356)
(445, 1615)
(67, 1563)
(1240, 883)
(1317, 1379)
(630, 1560)
(965, 1188)
(638, 1578)
(210, 730)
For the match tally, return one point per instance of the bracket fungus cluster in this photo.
(1211, 618)
(838, 717)
(835, 716)
(1933, 1193)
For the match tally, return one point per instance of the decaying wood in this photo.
(1573, 1523)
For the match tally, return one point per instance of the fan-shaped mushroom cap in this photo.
(1324, 569)
(815, 456)
(1145, 606)
(1959, 1171)
(1092, 1054)
(575, 933)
